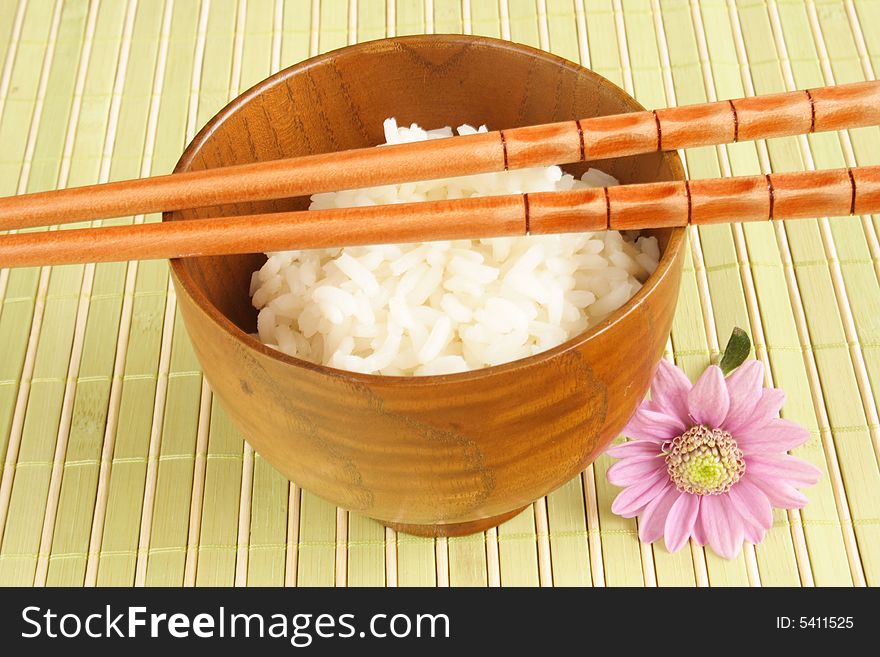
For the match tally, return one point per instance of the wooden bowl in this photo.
(436, 455)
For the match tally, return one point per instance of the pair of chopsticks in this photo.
(654, 205)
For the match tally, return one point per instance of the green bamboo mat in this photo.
(120, 468)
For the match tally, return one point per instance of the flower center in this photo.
(704, 461)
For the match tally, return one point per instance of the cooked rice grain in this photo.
(445, 307)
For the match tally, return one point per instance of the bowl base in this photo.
(455, 528)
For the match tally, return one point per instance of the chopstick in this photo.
(758, 117)
(775, 196)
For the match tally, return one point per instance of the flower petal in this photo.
(780, 494)
(708, 401)
(777, 435)
(766, 409)
(753, 534)
(634, 469)
(633, 448)
(670, 388)
(680, 521)
(653, 425)
(653, 519)
(633, 499)
(744, 388)
(697, 532)
(785, 467)
(751, 503)
(722, 525)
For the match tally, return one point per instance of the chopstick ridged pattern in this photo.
(760, 117)
(626, 207)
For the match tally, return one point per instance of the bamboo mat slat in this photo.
(72, 487)
(37, 406)
(68, 519)
(824, 333)
(131, 478)
(119, 467)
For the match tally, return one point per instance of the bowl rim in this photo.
(185, 281)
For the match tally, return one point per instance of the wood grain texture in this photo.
(660, 204)
(867, 182)
(567, 212)
(694, 125)
(557, 142)
(836, 104)
(616, 136)
(716, 200)
(774, 115)
(814, 194)
(445, 454)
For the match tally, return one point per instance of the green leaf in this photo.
(737, 350)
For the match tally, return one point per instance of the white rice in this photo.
(444, 307)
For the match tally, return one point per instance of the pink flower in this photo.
(708, 461)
